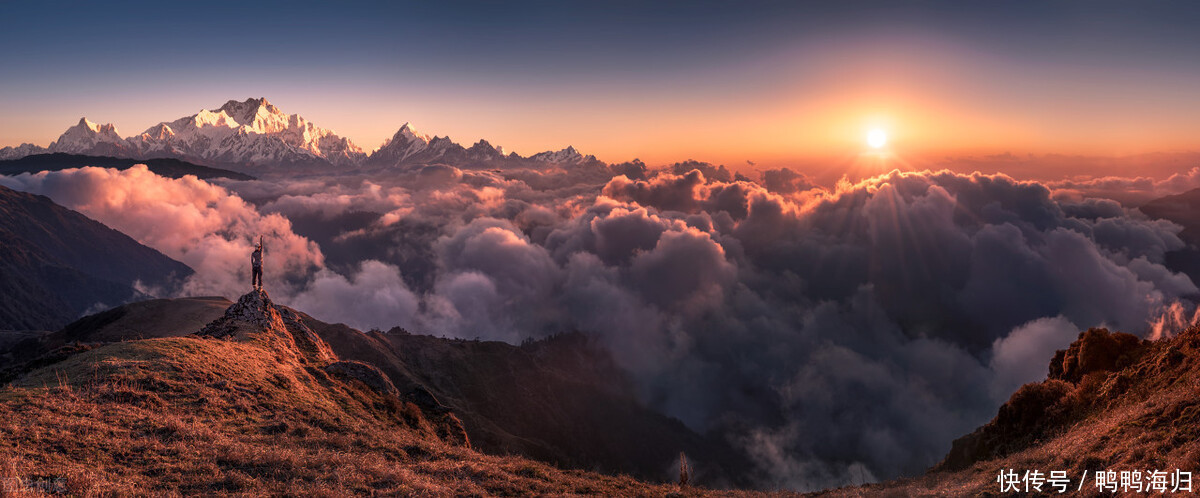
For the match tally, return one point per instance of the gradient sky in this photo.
(775, 83)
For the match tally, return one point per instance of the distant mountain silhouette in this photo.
(1184, 210)
(168, 167)
(560, 399)
(57, 264)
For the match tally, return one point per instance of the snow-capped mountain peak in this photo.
(253, 134)
(247, 133)
(483, 147)
(25, 149)
(564, 156)
(405, 145)
(246, 110)
(86, 129)
(259, 116)
(88, 136)
(210, 118)
(408, 132)
(159, 131)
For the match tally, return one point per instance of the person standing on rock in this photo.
(256, 265)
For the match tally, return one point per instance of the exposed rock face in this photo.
(306, 340)
(426, 400)
(367, 374)
(254, 317)
(1096, 350)
(253, 310)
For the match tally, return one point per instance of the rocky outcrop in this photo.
(305, 339)
(253, 312)
(426, 400)
(1096, 350)
(362, 372)
(255, 318)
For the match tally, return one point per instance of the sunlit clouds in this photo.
(797, 320)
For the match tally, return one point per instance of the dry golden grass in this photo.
(186, 416)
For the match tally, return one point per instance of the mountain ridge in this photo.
(558, 401)
(56, 264)
(252, 413)
(167, 167)
(255, 135)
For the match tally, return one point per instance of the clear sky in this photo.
(769, 82)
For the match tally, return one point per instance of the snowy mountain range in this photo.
(254, 135)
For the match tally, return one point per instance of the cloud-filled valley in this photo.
(836, 335)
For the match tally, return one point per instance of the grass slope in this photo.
(200, 415)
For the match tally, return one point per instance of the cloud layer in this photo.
(837, 336)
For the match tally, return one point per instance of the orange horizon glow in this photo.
(934, 99)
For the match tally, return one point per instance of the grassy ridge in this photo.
(192, 415)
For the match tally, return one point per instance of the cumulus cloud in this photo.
(785, 181)
(838, 335)
(192, 221)
(373, 295)
(1023, 356)
(213, 231)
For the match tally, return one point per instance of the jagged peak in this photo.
(84, 136)
(253, 308)
(159, 131)
(219, 117)
(407, 130)
(485, 147)
(406, 137)
(246, 111)
(566, 155)
(250, 103)
(94, 128)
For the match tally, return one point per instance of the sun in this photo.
(877, 138)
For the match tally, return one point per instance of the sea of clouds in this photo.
(836, 335)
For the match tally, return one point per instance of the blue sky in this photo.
(612, 75)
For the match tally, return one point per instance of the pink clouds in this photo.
(787, 315)
(197, 223)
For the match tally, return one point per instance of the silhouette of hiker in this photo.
(256, 265)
